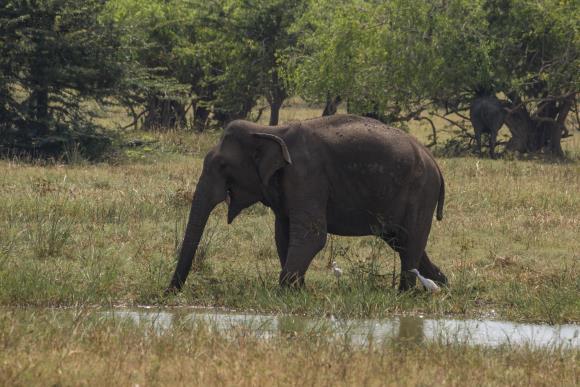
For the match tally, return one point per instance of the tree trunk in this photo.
(178, 109)
(276, 98)
(275, 112)
(201, 116)
(164, 113)
(540, 132)
(558, 128)
(331, 105)
(40, 101)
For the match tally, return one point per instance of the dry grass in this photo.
(48, 348)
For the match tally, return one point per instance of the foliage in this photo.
(218, 57)
(392, 54)
(158, 39)
(259, 32)
(54, 54)
(183, 63)
(401, 58)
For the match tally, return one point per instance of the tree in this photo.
(538, 68)
(158, 39)
(257, 34)
(54, 54)
(215, 57)
(401, 59)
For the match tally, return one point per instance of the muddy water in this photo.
(415, 329)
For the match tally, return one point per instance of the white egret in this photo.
(426, 282)
(336, 270)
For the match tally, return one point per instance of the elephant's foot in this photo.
(291, 279)
(408, 281)
(440, 279)
(170, 291)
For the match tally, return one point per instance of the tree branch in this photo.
(135, 120)
(260, 111)
(433, 130)
(450, 121)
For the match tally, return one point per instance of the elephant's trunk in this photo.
(201, 207)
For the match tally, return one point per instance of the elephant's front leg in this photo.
(282, 231)
(478, 142)
(492, 142)
(307, 238)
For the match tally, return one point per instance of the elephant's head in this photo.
(236, 171)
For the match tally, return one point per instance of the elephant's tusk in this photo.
(228, 199)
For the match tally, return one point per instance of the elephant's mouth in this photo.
(228, 198)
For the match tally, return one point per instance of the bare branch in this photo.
(450, 121)
(433, 130)
(413, 115)
(260, 111)
(135, 120)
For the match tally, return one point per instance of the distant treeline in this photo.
(197, 63)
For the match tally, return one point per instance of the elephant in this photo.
(341, 174)
(487, 116)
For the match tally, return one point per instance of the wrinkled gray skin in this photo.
(487, 116)
(344, 175)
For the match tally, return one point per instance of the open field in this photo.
(81, 234)
(109, 234)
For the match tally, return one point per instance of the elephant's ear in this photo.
(272, 155)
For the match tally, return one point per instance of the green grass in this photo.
(108, 234)
(81, 347)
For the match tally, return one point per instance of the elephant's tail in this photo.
(441, 199)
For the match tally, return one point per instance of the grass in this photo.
(108, 234)
(83, 348)
(78, 235)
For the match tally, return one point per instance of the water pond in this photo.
(405, 329)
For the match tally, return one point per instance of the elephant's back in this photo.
(350, 138)
(354, 132)
(363, 150)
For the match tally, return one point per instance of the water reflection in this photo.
(403, 330)
(411, 330)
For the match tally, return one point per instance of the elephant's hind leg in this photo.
(407, 280)
(478, 141)
(413, 245)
